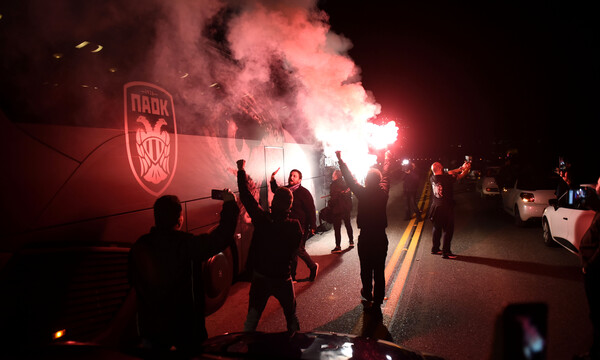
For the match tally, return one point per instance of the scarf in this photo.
(293, 187)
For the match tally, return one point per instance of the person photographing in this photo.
(441, 211)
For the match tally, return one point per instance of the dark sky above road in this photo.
(478, 72)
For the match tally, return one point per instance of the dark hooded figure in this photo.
(275, 240)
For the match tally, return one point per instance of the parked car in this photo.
(567, 219)
(487, 184)
(249, 345)
(529, 195)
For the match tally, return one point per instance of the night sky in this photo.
(488, 76)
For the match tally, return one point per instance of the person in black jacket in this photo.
(303, 209)
(441, 211)
(411, 185)
(372, 221)
(165, 270)
(589, 249)
(340, 203)
(275, 240)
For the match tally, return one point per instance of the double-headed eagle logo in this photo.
(153, 147)
(151, 135)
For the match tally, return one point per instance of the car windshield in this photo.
(537, 181)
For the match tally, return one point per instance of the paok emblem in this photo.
(151, 135)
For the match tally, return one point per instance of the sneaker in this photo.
(449, 256)
(336, 250)
(366, 297)
(313, 272)
(351, 244)
(436, 252)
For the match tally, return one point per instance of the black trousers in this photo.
(261, 289)
(443, 228)
(412, 206)
(372, 251)
(337, 228)
(302, 254)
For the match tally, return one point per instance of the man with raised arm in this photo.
(275, 240)
(441, 211)
(371, 219)
(303, 209)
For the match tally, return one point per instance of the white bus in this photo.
(95, 126)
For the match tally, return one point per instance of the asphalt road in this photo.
(449, 308)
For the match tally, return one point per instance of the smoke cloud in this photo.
(278, 62)
(328, 96)
(284, 52)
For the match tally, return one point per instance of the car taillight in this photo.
(527, 197)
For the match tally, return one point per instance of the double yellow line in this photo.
(412, 232)
(415, 228)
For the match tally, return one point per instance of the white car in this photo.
(529, 196)
(565, 221)
(488, 186)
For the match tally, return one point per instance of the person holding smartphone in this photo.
(589, 249)
(165, 270)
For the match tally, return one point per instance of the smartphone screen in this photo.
(217, 194)
(525, 328)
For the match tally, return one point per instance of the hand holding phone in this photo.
(225, 195)
(216, 194)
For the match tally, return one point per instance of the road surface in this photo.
(445, 307)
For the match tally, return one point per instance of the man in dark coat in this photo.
(411, 185)
(275, 240)
(589, 249)
(340, 203)
(303, 209)
(165, 269)
(371, 219)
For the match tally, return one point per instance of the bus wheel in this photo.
(218, 276)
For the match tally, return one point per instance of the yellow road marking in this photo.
(398, 286)
(398, 251)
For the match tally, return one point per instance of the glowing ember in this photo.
(379, 137)
(355, 143)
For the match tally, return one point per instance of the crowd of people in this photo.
(165, 265)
